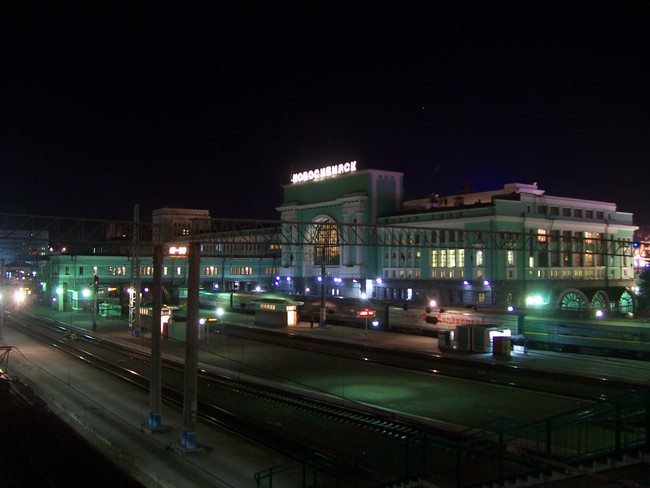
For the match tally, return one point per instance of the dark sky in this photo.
(104, 105)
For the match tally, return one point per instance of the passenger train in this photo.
(621, 338)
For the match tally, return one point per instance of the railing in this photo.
(490, 453)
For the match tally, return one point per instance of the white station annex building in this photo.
(511, 246)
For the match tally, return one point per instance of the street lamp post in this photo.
(323, 294)
(95, 290)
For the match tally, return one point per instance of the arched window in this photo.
(626, 302)
(479, 258)
(600, 301)
(326, 248)
(573, 300)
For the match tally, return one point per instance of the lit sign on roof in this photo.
(324, 172)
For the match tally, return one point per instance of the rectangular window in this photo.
(600, 215)
(566, 212)
(577, 212)
(434, 258)
(241, 270)
(555, 210)
(589, 214)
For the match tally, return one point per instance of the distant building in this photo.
(23, 253)
(177, 222)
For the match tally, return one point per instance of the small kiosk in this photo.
(478, 338)
(275, 312)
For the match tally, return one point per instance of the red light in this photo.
(366, 312)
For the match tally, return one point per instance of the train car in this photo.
(339, 310)
(232, 301)
(243, 302)
(409, 318)
(624, 338)
(405, 317)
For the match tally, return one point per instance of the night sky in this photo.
(104, 105)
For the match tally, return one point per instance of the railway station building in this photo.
(357, 236)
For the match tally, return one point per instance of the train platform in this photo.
(632, 371)
(602, 367)
(115, 415)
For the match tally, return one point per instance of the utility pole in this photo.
(155, 383)
(2, 301)
(323, 292)
(134, 296)
(191, 349)
(95, 291)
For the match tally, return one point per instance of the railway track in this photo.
(574, 386)
(291, 423)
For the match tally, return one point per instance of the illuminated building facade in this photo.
(563, 253)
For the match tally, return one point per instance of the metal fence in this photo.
(490, 453)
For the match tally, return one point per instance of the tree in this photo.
(644, 290)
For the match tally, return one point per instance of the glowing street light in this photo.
(19, 297)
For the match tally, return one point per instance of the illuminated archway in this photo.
(327, 250)
(573, 300)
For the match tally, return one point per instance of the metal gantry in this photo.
(232, 233)
(110, 236)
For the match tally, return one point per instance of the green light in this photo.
(535, 300)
